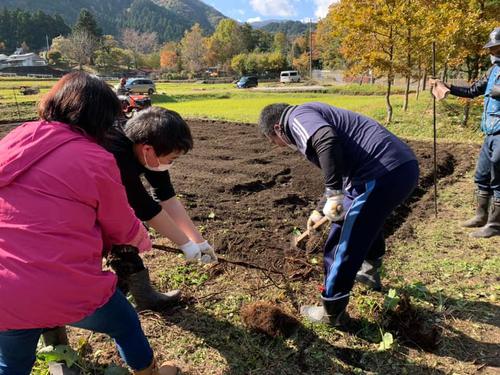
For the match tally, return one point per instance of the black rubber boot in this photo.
(369, 274)
(133, 277)
(492, 227)
(483, 199)
(332, 312)
(146, 298)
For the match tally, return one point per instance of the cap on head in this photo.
(494, 38)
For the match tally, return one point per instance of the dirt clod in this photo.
(413, 327)
(264, 317)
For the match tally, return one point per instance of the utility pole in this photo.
(310, 49)
(47, 54)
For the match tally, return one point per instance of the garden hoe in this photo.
(298, 240)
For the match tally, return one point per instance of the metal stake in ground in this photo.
(434, 129)
(17, 105)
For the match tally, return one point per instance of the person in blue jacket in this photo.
(368, 172)
(487, 175)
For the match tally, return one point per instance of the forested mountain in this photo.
(290, 28)
(107, 12)
(18, 26)
(145, 16)
(194, 11)
(169, 18)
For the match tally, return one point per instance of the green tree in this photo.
(225, 42)
(86, 22)
(193, 49)
(280, 43)
(55, 58)
(238, 63)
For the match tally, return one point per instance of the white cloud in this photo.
(241, 11)
(254, 19)
(274, 8)
(322, 7)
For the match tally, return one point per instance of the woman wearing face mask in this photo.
(148, 147)
(487, 176)
(61, 204)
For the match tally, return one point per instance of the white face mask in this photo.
(160, 168)
(495, 59)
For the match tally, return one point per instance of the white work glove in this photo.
(191, 251)
(208, 253)
(334, 207)
(313, 219)
(439, 89)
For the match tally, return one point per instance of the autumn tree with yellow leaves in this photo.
(395, 37)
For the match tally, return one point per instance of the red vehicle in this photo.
(133, 103)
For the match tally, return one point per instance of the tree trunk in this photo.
(444, 77)
(390, 78)
(388, 99)
(465, 119)
(408, 66)
(472, 74)
(424, 83)
(407, 93)
(419, 80)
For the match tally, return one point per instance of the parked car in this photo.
(246, 82)
(289, 76)
(140, 85)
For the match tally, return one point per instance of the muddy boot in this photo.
(166, 368)
(146, 297)
(369, 274)
(483, 203)
(332, 312)
(492, 227)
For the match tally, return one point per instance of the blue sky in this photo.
(260, 10)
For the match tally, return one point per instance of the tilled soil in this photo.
(248, 196)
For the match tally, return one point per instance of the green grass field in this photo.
(225, 102)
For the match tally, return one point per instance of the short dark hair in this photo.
(269, 116)
(83, 101)
(161, 128)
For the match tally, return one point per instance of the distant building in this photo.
(25, 59)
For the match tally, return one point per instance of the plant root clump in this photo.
(264, 317)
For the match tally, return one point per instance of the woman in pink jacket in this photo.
(61, 204)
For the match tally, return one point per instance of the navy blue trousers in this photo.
(117, 318)
(487, 176)
(359, 236)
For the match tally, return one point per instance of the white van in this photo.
(289, 76)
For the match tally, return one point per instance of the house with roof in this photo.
(22, 59)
